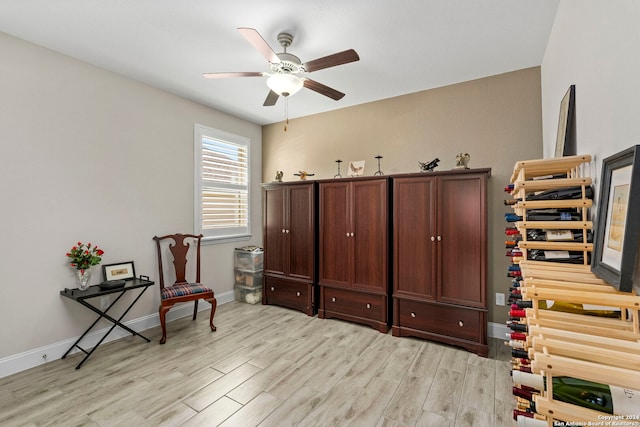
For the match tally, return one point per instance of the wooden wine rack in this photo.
(530, 176)
(603, 350)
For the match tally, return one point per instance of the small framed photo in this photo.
(120, 271)
(615, 247)
(356, 168)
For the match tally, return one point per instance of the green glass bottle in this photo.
(588, 394)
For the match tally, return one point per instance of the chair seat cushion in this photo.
(183, 289)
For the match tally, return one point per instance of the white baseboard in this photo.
(37, 356)
(497, 330)
(32, 358)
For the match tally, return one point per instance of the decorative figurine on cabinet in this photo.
(303, 175)
(462, 161)
(428, 167)
(279, 176)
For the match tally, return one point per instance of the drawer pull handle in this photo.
(333, 299)
(298, 293)
(460, 323)
(368, 305)
(439, 238)
(273, 289)
(287, 231)
(283, 230)
(413, 314)
(433, 239)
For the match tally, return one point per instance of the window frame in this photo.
(228, 234)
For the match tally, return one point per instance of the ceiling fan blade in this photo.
(261, 46)
(332, 60)
(226, 75)
(323, 90)
(271, 99)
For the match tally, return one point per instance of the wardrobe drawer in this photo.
(287, 293)
(439, 319)
(353, 303)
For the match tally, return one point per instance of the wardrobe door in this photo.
(274, 226)
(414, 241)
(301, 222)
(462, 225)
(335, 228)
(369, 239)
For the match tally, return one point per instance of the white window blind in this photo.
(222, 184)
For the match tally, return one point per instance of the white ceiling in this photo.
(404, 45)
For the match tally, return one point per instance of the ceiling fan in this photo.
(287, 74)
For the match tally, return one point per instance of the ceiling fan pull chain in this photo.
(286, 112)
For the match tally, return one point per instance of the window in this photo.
(221, 184)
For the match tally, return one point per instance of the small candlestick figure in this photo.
(379, 171)
(338, 174)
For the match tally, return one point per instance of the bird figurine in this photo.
(462, 161)
(428, 167)
(303, 175)
(279, 176)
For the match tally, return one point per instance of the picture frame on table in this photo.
(615, 247)
(566, 138)
(119, 271)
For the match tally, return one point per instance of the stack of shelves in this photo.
(572, 329)
(529, 178)
(603, 350)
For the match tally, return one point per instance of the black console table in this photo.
(81, 297)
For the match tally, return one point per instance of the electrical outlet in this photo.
(104, 302)
(499, 298)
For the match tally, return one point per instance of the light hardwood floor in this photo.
(265, 366)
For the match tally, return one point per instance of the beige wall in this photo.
(90, 155)
(496, 119)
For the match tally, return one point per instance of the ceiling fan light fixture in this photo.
(284, 84)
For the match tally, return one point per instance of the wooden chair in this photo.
(182, 290)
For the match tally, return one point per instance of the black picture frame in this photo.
(566, 136)
(119, 271)
(615, 247)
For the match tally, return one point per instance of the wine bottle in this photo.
(511, 217)
(519, 345)
(552, 176)
(520, 354)
(567, 257)
(586, 309)
(530, 422)
(519, 313)
(510, 202)
(553, 215)
(518, 327)
(509, 231)
(509, 188)
(566, 193)
(588, 394)
(515, 296)
(530, 415)
(520, 392)
(520, 336)
(559, 235)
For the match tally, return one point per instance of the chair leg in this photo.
(163, 312)
(214, 304)
(195, 309)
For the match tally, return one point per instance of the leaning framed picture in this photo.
(615, 248)
(120, 271)
(565, 138)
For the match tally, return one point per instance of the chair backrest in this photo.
(180, 249)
